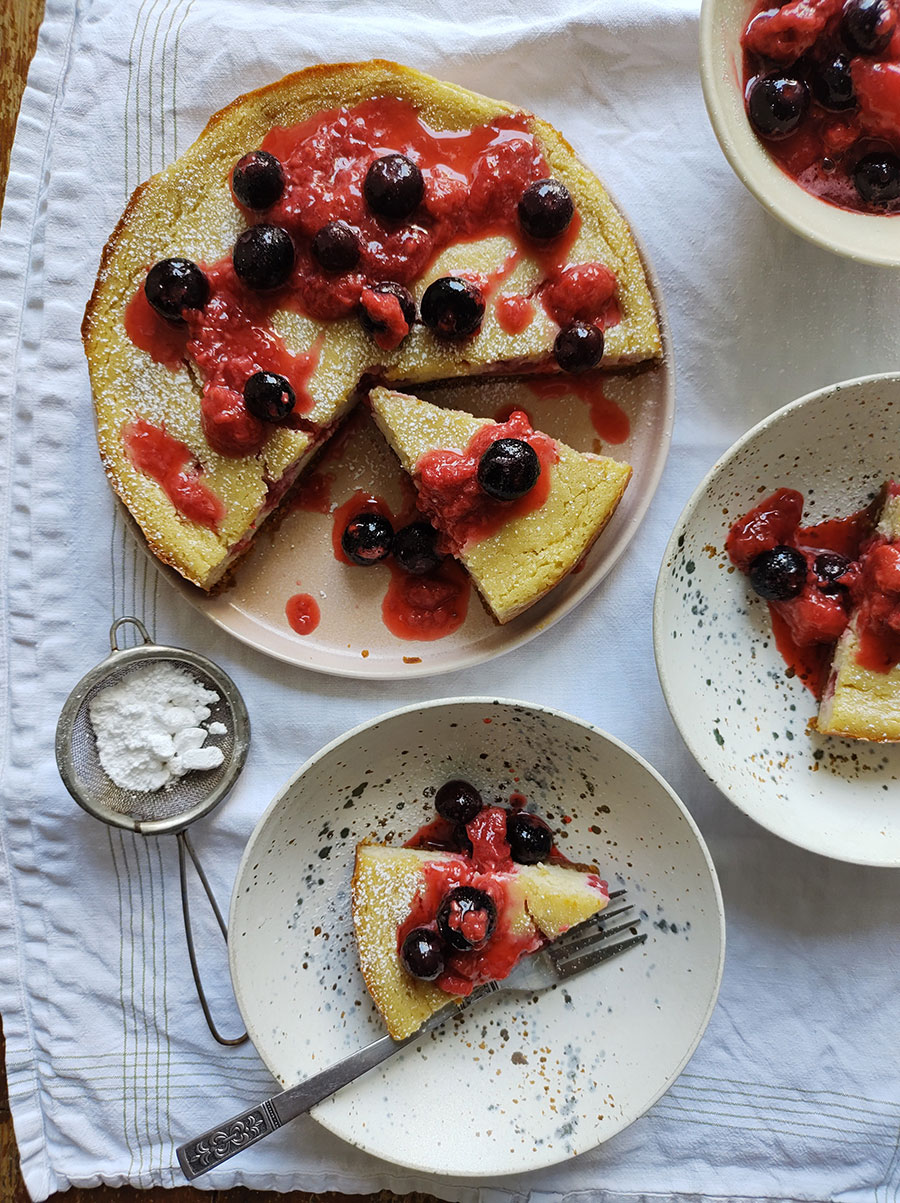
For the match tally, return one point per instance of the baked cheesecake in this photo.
(517, 508)
(350, 222)
(433, 924)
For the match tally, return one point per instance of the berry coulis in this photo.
(472, 183)
(807, 626)
(171, 464)
(486, 863)
(846, 100)
(451, 498)
(425, 607)
(609, 419)
(303, 613)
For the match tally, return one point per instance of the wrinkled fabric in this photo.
(794, 1093)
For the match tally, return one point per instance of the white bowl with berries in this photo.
(804, 99)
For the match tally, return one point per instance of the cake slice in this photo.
(862, 701)
(393, 887)
(300, 280)
(515, 550)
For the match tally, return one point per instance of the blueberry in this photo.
(393, 186)
(371, 323)
(779, 574)
(173, 285)
(458, 802)
(264, 257)
(776, 105)
(258, 180)
(530, 839)
(422, 953)
(415, 548)
(578, 347)
(367, 538)
(876, 177)
(336, 247)
(508, 469)
(452, 307)
(545, 209)
(867, 26)
(832, 84)
(829, 566)
(466, 918)
(268, 396)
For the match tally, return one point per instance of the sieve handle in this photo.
(125, 621)
(185, 847)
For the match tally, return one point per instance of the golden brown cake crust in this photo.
(187, 209)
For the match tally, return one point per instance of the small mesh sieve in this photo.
(167, 811)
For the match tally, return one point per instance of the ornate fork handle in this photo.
(218, 1144)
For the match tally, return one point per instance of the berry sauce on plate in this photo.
(417, 605)
(303, 613)
(609, 419)
(344, 212)
(812, 577)
(822, 89)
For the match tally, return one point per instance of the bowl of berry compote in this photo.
(804, 98)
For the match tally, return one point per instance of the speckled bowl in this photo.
(532, 1080)
(869, 238)
(740, 713)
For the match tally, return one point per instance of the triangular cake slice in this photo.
(861, 702)
(515, 552)
(537, 903)
(175, 439)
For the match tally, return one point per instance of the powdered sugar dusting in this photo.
(148, 727)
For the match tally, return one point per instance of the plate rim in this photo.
(660, 640)
(487, 700)
(404, 672)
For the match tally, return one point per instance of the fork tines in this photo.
(593, 942)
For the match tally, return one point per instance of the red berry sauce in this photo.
(807, 627)
(303, 613)
(171, 464)
(451, 498)
(608, 418)
(422, 608)
(514, 313)
(490, 867)
(821, 153)
(473, 181)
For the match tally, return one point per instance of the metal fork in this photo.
(578, 949)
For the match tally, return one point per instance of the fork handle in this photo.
(223, 1141)
(241, 1131)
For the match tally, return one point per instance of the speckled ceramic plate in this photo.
(743, 717)
(533, 1080)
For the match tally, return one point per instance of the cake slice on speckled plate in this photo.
(471, 893)
(517, 508)
(862, 695)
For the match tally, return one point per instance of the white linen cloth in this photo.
(795, 1091)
